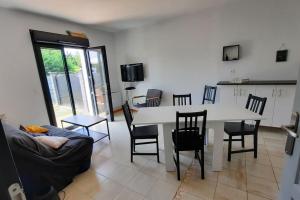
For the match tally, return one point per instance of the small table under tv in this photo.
(86, 122)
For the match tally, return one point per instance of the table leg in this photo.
(217, 162)
(107, 129)
(168, 146)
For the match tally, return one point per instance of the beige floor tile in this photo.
(204, 189)
(233, 178)
(275, 150)
(277, 161)
(127, 194)
(224, 192)
(262, 158)
(186, 196)
(96, 186)
(234, 164)
(262, 171)
(158, 170)
(141, 183)
(277, 141)
(108, 190)
(162, 191)
(262, 187)
(255, 197)
(72, 193)
(117, 172)
(194, 173)
(278, 172)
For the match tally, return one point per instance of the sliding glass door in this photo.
(57, 81)
(75, 81)
(79, 80)
(100, 80)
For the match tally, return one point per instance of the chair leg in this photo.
(196, 153)
(243, 141)
(177, 165)
(202, 163)
(157, 149)
(131, 150)
(134, 145)
(255, 145)
(229, 148)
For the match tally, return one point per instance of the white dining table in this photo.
(217, 115)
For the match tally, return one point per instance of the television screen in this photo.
(132, 72)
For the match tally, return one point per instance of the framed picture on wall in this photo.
(281, 55)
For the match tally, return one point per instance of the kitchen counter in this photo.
(260, 82)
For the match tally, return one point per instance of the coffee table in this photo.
(86, 122)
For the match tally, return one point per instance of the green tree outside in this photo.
(53, 61)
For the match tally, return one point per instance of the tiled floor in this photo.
(113, 177)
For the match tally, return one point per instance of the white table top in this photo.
(215, 112)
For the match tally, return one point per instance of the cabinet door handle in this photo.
(241, 92)
(280, 93)
(234, 92)
(273, 92)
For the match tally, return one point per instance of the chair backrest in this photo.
(188, 134)
(182, 99)
(256, 104)
(209, 94)
(128, 116)
(153, 97)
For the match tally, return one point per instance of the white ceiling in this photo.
(113, 15)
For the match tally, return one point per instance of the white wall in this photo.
(183, 54)
(21, 97)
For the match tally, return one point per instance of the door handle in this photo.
(290, 141)
(290, 132)
(280, 93)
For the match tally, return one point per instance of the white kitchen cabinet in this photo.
(242, 94)
(269, 92)
(283, 105)
(279, 104)
(228, 94)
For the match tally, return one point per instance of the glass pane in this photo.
(79, 80)
(98, 73)
(54, 67)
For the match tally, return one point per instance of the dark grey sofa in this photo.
(40, 166)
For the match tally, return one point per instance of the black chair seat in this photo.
(145, 132)
(238, 128)
(188, 141)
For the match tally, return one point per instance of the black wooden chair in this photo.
(152, 99)
(182, 99)
(189, 137)
(241, 129)
(140, 133)
(209, 95)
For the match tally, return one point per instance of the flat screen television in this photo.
(132, 72)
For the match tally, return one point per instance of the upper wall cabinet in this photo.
(279, 104)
